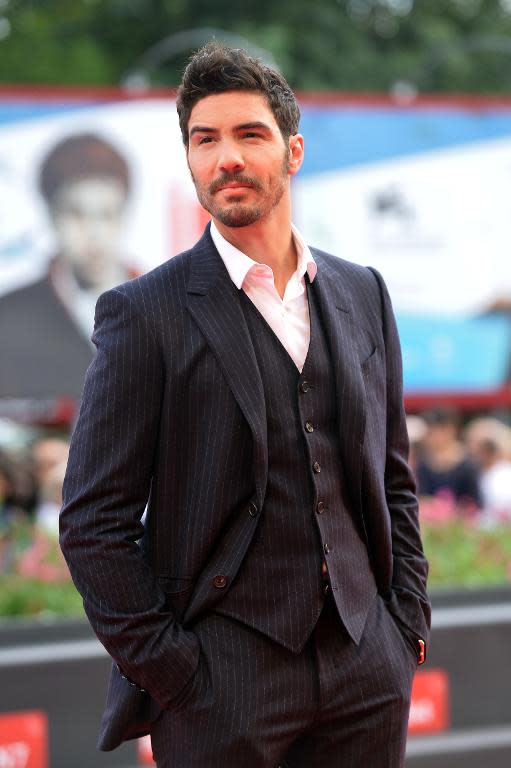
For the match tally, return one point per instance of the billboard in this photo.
(94, 189)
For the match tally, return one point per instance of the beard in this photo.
(236, 213)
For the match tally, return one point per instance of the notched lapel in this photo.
(349, 344)
(214, 304)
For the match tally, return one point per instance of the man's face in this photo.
(47, 454)
(239, 161)
(87, 215)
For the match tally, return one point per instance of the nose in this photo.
(230, 159)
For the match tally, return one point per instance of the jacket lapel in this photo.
(337, 311)
(214, 304)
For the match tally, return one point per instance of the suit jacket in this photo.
(44, 352)
(174, 380)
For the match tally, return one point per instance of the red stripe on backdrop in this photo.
(472, 102)
(467, 401)
(475, 102)
(49, 93)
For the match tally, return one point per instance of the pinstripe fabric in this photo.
(333, 705)
(173, 414)
(279, 587)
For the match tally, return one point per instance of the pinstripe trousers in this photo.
(253, 703)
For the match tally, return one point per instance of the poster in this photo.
(95, 189)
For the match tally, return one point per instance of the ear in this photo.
(295, 153)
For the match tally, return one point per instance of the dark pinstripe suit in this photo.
(174, 386)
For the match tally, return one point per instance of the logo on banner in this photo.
(429, 711)
(24, 740)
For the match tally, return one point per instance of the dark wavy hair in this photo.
(216, 68)
(81, 156)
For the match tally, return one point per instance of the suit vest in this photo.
(306, 519)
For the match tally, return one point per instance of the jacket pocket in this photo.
(177, 594)
(367, 363)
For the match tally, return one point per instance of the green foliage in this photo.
(30, 597)
(35, 581)
(34, 578)
(463, 554)
(446, 45)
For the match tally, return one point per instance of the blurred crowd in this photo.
(31, 482)
(462, 468)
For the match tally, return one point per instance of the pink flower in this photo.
(438, 509)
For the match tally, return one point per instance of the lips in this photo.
(234, 186)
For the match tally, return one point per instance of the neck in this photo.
(268, 241)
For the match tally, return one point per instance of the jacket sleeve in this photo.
(105, 492)
(409, 600)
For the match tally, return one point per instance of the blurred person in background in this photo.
(9, 504)
(16, 502)
(416, 428)
(495, 480)
(488, 441)
(487, 428)
(50, 499)
(444, 469)
(45, 327)
(49, 454)
(273, 609)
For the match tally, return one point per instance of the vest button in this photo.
(320, 507)
(309, 427)
(326, 549)
(252, 509)
(316, 467)
(305, 386)
(220, 581)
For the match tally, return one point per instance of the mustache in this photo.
(234, 178)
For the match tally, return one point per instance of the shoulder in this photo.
(354, 275)
(155, 295)
(362, 288)
(156, 300)
(170, 279)
(163, 279)
(27, 295)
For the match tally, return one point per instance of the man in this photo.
(494, 479)
(49, 454)
(45, 326)
(274, 609)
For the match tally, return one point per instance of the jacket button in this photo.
(309, 427)
(316, 467)
(305, 386)
(252, 509)
(320, 507)
(219, 581)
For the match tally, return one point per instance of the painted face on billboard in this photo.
(88, 216)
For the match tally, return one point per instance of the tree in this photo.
(437, 45)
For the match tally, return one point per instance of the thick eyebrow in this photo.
(201, 129)
(256, 124)
(243, 127)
